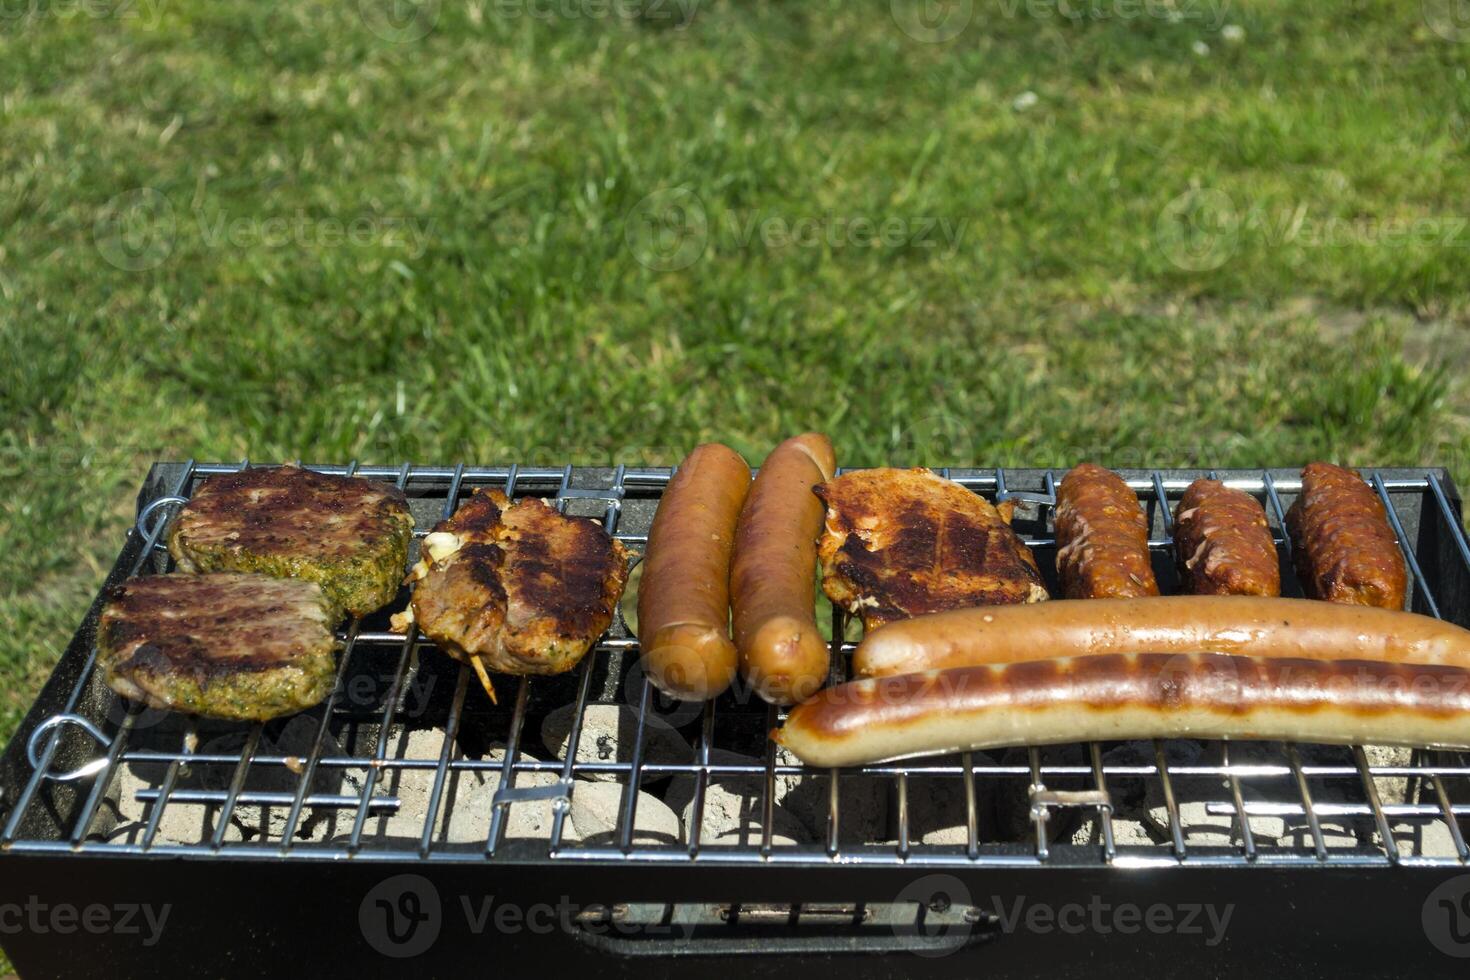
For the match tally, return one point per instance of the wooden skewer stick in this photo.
(484, 676)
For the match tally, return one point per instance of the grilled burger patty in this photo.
(234, 646)
(520, 585)
(347, 534)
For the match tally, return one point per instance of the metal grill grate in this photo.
(396, 765)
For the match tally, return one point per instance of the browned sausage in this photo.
(1130, 696)
(1102, 537)
(773, 572)
(1343, 547)
(1223, 543)
(1240, 625)
(684, 594)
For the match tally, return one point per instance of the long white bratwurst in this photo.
(1252, 626)
(1217, 667)
(1131, 696)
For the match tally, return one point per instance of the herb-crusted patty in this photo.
(234, 646)
(347, 534)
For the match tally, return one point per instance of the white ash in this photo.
(1203, 828)
(1424, 838)
(182, 823)
(939, 810)
(751, 834)
(1390, 788)
(862, 802)
(733, 804)
(195, 823)
(608, 733)
(1131, 791)
(125, 817)
(597, 809)
(466, 803)
(1144, 820)
(731, 790)
(863, 805)
(294, 741)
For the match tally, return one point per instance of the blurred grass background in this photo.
(1196, 233)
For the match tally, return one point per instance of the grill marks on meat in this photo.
(901, 543)
(1223, 542)
(1343, 546)
(520, 585)
(1130, 696)
(1103, 537)
(348, 534)
(234, 646)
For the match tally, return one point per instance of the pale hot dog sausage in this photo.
(1130, 696)
(773, 572)
(684, 593)
(1243, 625)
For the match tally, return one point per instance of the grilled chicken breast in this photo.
(233, 646)
(520, 585)
(900, 543)
(347, 534)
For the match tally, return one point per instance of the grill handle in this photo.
(661, 930)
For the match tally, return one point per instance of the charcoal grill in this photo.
(345, 864)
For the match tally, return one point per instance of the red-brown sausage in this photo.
(1102, 537)
(1223, 543)
(1343, 547)
(1240, 625)
(1130, 696)
(684, 594)
(773, 572)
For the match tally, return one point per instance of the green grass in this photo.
(335, 245)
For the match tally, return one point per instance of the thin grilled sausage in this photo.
(1102, 535)
(773, 572)
(1130, 696)
(684, 594)
(1238, 625)
(1223, 542)
(1344, 549)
